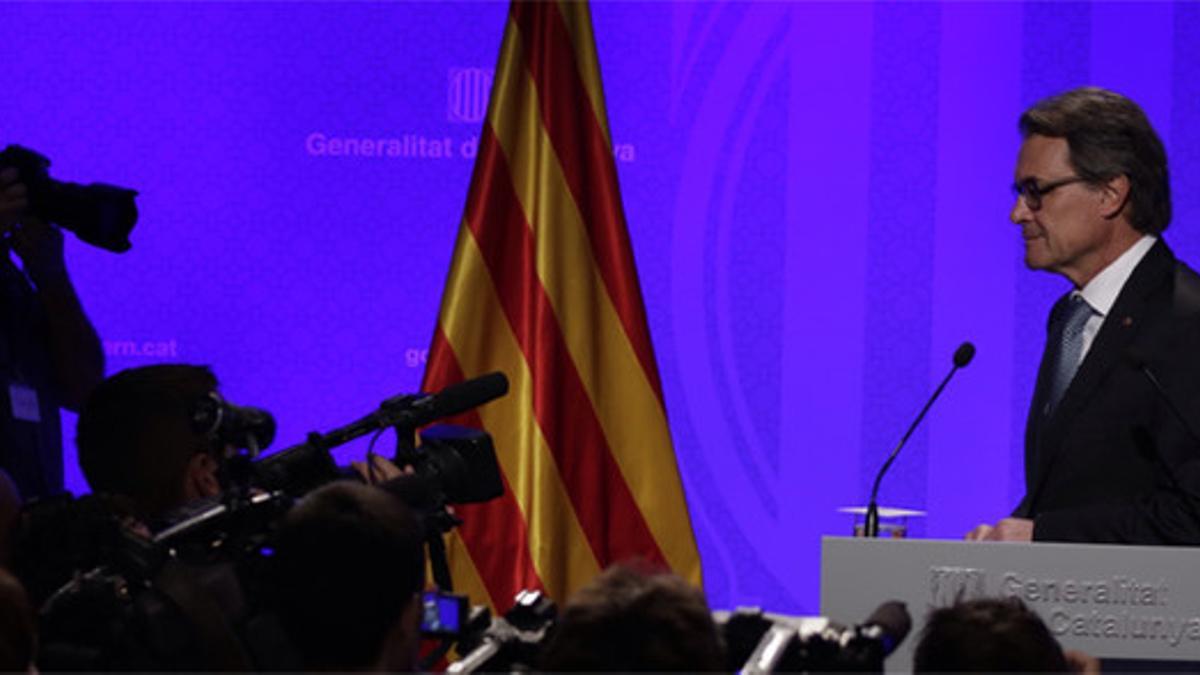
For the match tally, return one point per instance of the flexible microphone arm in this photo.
(962, 356)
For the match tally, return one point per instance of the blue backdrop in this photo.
(817, 195)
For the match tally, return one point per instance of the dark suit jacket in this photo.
(1111, 463)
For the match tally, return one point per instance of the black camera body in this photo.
(452, 465)
(196, 594)
(764, 642)
(188, 598)
(146, 602)
(755, 641)
(99, 214)
(509, 643)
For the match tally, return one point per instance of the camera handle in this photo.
(438, 522)
(438, 563)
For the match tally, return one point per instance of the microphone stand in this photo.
(871, 527)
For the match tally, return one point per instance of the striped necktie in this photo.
(1069, 353)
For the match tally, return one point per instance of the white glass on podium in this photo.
(893, 521)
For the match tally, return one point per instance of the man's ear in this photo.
(201, 477)
(1114, 196)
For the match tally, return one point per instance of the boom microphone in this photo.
(962, 357)
(461, 397)
(416, 411)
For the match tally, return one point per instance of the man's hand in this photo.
(39, 245)
(75, 350)
(1009, 529)
(13, 200)
(380, 470)
(979, 533)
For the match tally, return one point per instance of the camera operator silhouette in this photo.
(50, 356)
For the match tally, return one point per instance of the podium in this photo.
(1134, 603)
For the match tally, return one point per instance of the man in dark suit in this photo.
(1106, 459)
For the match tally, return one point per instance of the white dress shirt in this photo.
(1101, 292)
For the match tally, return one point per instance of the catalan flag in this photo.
(543, 287)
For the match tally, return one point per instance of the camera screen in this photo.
(442, 613)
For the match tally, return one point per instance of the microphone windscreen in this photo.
(893, 619)
(464, 396)
(964, 354)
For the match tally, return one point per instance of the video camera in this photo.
(509, 643)
(146, 601)
(760, 642)
(451, 465)
(99, 214)
(756, 642)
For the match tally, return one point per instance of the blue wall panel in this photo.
(817, 195)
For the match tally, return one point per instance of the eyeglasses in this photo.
(1032, 193)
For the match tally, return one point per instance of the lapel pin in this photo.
(1127, 322)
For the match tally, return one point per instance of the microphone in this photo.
(457, 398)
(890, 623)
(962, 357)
(464, 396)
(416, 411)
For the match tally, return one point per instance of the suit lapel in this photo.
(1108, 349)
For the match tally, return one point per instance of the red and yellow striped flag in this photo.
(543, 287)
